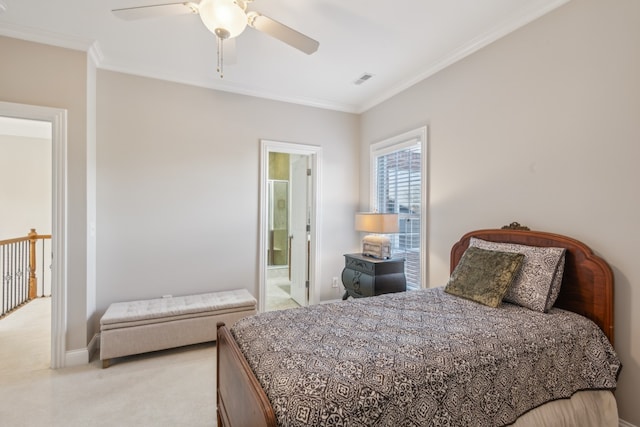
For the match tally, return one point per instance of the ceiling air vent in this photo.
(363, 78)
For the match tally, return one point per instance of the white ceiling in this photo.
(400, 42)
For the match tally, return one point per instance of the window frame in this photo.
(397, 143)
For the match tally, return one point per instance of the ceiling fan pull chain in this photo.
(220, 58)
(224, 18)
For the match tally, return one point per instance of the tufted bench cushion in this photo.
(148, 325)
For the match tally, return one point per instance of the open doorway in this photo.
(289, 227)
(289, 222)
(25, 204)
(57, 118)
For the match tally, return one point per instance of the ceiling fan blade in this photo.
(157, 10)
(282, 32)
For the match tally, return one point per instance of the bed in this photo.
(352, 379)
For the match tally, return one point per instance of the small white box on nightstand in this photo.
(376, 246)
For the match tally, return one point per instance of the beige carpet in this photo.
(25, 338)
(167, 388)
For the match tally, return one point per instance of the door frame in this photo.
(58, 119)
(315, 153)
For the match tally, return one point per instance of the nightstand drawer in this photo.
(358, 264)
(365, 276)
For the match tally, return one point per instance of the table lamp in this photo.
(377, 245)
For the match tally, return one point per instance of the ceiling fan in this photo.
(226, 19)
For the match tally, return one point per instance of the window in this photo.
(398, 186)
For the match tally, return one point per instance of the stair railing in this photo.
(18, 262)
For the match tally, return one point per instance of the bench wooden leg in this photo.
(105, 363)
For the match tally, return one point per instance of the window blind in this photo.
(398, 189)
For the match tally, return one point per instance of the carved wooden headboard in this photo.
(587, 282)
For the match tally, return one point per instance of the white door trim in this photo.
(58, 119)
(267, 146)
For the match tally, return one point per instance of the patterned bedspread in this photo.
(421, 358)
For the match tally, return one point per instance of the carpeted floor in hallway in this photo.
(167, 388)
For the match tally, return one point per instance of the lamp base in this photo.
(376, 246)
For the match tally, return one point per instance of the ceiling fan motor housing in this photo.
(224, 18)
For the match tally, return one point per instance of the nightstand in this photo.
(365, 276)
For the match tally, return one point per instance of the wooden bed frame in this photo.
(587, 289)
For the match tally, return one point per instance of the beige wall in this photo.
(42, 75)
(25, 185)
(176, 170)
(541, 127)
(178, 186)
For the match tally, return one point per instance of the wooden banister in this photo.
(33, 280)
(11, 296)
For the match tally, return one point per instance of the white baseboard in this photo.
(623, 423)
(83, 355)
(76, 357)
(94, 345)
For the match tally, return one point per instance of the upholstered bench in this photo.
(135, 327)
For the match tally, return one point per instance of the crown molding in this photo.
(509, 26)
(253, 92)
(95, 53)
(44, 37)
(92, 48)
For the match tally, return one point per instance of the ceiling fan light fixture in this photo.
(224, 18)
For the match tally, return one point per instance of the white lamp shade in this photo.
(377, 223)
(223, 15)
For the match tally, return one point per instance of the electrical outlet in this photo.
(335, 283)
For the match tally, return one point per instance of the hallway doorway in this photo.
(26, 204)
(57, 121)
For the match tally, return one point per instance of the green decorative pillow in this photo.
(537, 285)
(484, 276)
